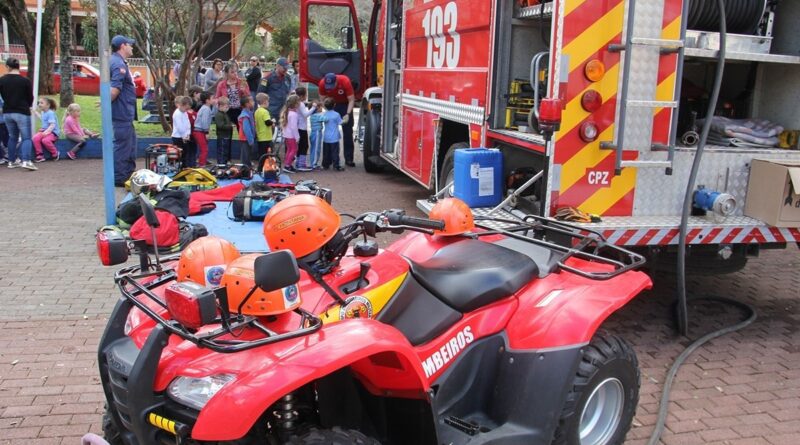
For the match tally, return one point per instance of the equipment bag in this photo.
(193, 179)
(253, 203)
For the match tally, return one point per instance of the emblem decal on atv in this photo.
(448, 351)
(290, 295)
(214, 274)
(356, 307)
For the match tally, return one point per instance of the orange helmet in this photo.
(204, 260)
(300, 223)
(456, 215)
(239, 279)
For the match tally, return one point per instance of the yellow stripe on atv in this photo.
(378, 297)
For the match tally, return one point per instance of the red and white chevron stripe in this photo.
(707, 235)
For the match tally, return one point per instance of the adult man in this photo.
(339, 88)
(253, 76)
(123, 109)
(17, 93)
(276, 85)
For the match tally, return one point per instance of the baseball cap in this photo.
(330, 80)
(118, 41)
(282, 62)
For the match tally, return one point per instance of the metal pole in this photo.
(105, 107)
(36, 57)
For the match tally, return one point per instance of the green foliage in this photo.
(89, 40)
(286, 39)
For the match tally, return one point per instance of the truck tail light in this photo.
(594, 70)
(112, 248)
(591, 101)
(191, 304)
(589, 132)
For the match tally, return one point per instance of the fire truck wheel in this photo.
(333, 436)
(372, 141)
(600, 406)
(110, 431)
(447, 173)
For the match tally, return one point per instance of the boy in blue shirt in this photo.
(331, 136)
(315, 137)
(247, 131)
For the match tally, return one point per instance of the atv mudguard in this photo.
(268, 373)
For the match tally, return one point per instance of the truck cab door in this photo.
(330, 42)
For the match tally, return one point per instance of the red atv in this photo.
(459, 333)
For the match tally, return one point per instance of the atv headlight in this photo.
(196, 392)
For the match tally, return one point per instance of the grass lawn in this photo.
(90, 117)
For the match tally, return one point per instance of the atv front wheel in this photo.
(110, 431)
(335, 436)
(600, 406)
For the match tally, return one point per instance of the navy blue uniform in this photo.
(123, 113)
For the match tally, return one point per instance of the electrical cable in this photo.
(682, 308)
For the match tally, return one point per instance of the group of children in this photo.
(50, 130)
(257, 131)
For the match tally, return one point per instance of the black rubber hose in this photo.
(742, 16)
(682, 308)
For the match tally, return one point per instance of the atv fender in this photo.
(565, 309)
(279, 369)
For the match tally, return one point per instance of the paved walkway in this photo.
(55, 297)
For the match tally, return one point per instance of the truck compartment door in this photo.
(330, 42)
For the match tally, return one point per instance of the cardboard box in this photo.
(773, 192)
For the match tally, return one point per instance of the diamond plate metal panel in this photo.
(722, 169)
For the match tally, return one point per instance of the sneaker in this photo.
(37, 160)
(14, 164)
(317, 168)
(4, 161)
(350, 164)
(57, 156)
(28, 165)
(72, 155)
(339, 168)
(289, 169)
(304, 169)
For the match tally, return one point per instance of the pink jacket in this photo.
(222, 88)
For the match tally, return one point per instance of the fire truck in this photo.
(633, 78)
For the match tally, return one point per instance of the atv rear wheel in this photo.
(110, 431)
(600, 406)
(335, 436)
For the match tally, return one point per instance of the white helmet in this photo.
(145, 180)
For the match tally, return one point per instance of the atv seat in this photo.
(470, 273)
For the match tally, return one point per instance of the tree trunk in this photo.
(65, 48)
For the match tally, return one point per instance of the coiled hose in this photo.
(682, 309)
(742, 16)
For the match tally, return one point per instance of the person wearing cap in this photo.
(123, 109)
(16, 91)
(339, 88)
(277, 86)
(138, 82)
(253, 76)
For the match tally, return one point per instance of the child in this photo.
(331, 136)
(316, 138)
(263, 124)
(289, 118)
(201, 126)
(303, 163)
(73, 130)
(182, 129)
(224, 131)
(194, 94)
(48, 134)
(247, 130)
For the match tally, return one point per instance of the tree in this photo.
(286, 38)
(24, 25)
(65, 49)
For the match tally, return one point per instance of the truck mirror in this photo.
(347, 33)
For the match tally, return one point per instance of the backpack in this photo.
(254, 201)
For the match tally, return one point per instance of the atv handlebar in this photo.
(400, 219)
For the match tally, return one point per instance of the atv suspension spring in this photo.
(285, 416)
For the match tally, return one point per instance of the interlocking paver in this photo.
(742, 389)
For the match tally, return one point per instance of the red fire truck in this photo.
(433, 76)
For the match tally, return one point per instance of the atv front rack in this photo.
(221, 339)
(567, 239)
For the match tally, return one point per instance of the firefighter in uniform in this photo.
(123, 109)
(340, 89)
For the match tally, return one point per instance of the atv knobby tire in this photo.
(335, 436)
(110, 431)
(606, 385)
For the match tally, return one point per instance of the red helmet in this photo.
(456, 215)
(301, 224)
(204, 260)
(239, 279)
